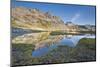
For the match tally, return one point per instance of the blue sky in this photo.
(75, 13)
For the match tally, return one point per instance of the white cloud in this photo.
(75, 17)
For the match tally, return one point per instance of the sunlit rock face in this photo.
(34, 19)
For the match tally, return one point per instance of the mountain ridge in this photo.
(34, 19)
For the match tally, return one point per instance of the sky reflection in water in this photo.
(69, 40)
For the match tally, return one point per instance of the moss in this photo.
(21, 54)
(84, 51)
(88, 43)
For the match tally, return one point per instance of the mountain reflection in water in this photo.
(44, 42)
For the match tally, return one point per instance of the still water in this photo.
(51, 42)
(44, 42)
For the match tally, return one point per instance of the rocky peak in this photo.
(34, 18)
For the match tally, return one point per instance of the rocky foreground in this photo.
(84, 51)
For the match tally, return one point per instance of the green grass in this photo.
(88, 32)
(63, 33)
(88, 43)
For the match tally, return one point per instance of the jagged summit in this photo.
(34, 19)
